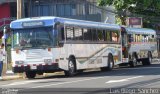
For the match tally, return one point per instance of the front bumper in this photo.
(39, 68)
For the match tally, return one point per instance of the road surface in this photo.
(141, 79)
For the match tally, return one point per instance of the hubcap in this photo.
(134, 61)
(150, 59)
(71, 67)
(111, 64)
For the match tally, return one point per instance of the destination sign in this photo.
(33, 24)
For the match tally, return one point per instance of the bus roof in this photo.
(50, 21)
(140, 31)
(17, 24)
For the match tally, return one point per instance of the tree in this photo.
(148, 9)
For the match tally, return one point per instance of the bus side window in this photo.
(130, 38)
(78, 33)
(114, 37)
(87, 34)
(69, 33)
(100, 35)
(145, 38)
(149, 38)
(94, 35)
(107, 36)
(134, 38)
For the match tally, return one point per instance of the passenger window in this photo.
(78, 33)
(69, 33)
(100, 35)
(94, 35)
(114, 37)
(87, 34)
(145, 38)
(130, 38)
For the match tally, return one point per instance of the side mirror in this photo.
(60, 43)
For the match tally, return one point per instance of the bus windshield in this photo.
(34, 38)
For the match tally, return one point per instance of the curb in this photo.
(13, 77)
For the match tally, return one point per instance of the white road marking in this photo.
(74, 81)
(27, 82)
(140, 68)
(123, 80)
(69, 82)
(45, 80)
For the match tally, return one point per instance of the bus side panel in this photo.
(142, 49)
(90, 55)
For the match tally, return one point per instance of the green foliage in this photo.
(118, 21)
(148, 9)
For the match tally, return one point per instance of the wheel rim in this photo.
(71, 67)
(150, 59)
(134, 61)
(111, 65)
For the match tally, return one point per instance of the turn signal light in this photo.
(17, 51)
(49, 49)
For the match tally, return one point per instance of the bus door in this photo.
(125, 46)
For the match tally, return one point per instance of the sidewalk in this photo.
(11, 76)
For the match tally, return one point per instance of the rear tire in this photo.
(30, 74)
(147, 61)
(144, 62)
(110, 64)
(71, 68)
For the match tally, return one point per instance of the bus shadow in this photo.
(152, 69)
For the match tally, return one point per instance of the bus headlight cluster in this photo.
(47, 60)
(19, 62)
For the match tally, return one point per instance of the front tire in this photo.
(133, 63)
(30, 74)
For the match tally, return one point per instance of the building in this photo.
(76, 9)
(7, 13)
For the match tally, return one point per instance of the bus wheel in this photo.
(144, 62)
(149, 59)
(71, 68)
(110, 63)
(133, 63)
(30, 74)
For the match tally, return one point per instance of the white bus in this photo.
(48, 44)
(139, 45)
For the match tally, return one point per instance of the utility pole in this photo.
(19, 9)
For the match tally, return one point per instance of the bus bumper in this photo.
(39, 68)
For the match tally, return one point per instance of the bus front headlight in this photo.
(19, 62)
(47, 60)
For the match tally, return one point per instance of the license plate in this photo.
(33, 67)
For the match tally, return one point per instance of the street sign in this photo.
(134, 22)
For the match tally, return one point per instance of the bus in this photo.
(139, 45)
(49, 44)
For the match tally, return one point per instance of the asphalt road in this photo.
(141, 79)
